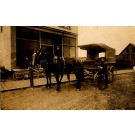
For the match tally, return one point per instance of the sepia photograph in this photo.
(67, 67)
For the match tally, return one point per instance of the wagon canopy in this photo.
(94, 49)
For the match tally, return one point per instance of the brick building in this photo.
(18, 42)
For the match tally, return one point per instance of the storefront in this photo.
(30, 39)
(19, 42)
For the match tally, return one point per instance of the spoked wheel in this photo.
(42, 73)
(112, 74)
(36, 74)
(19, 76)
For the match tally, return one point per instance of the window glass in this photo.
(25, 48)
(26, 33)
(46, 38)
(66, 51)
(72, 41)
(66, 41)
(72, 52)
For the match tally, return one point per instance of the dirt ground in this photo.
(119, 95)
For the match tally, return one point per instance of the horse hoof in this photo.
(78, 89)
(57, 91)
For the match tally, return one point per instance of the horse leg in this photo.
(58, 82)
(47, 79)
(47, 82)
(68, 76)
(61, 77)
(78, 83)
(50, 80)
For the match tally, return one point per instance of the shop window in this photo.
(25, 33)
(72, 41)
(66, 51)
(25, 49)
(72, 52)
(69, 46)
(66, 41)
(46, 38)
(47, 48)
(57, 40)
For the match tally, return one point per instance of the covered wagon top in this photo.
(100, 47)
(95, 48)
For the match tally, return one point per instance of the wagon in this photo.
(90, 64)
(21, 74)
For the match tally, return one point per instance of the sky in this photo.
(117, 37)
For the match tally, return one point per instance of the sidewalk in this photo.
(20, 84)
(12, 85)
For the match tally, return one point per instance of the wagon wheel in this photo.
(95, 78)
(43, 73)
(19, 75)
(112, 74)
(36, 74)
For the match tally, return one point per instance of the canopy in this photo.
(94, 49)
(95, 46)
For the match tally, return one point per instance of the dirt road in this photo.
(119, 95)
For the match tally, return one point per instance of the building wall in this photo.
(13, 48)
(134, 35)
(114, 36)
(128, 56)
(129, 50)
(5, 47)
(8, 44)
(73, 29)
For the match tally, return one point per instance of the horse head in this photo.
(43, 57)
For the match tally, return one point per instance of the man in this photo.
(33, 58)
(103, 71)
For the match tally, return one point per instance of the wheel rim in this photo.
(18, 76)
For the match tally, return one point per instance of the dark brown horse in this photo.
(60, 67)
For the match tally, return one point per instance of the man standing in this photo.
(33, 58)
(103, 72)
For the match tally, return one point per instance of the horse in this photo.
(60, 67)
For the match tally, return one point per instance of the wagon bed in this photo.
(91, 65)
